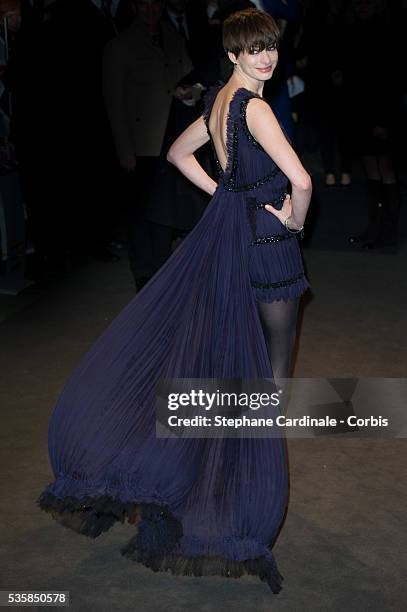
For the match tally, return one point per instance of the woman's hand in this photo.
(284, 212)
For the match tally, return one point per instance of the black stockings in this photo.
(279, 321)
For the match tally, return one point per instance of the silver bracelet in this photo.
(297, 231)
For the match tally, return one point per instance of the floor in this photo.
(344, 542)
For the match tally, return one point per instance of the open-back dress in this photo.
(205, 506)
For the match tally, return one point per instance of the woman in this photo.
(223, 306)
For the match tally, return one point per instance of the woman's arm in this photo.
(265, 128)
(181, 154)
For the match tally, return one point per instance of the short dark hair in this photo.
(249, 30)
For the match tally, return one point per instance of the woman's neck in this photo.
(239, 79)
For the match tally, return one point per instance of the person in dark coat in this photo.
(287, 14)
(61, 132)
(189, 19)
(143, 67)
(119, 13)
(326, 104)
(373, 93)
(174, 201)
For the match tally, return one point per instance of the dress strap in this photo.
(238, 109)
(241, 97)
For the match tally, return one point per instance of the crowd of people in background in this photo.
(101, 88)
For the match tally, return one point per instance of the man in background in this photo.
(141, 70)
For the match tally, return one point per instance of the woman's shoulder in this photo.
(251, 104)
(240, 102)
(243, 99)
(209, 99)
(241, 94)
(254, 102)
(244, 96)
(255, 107)
(257, 116)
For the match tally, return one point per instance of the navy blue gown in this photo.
(203, 506)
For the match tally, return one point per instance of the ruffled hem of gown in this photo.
(290, 292)
(159, 543)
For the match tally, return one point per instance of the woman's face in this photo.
(258, 65)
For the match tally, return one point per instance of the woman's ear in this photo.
(232, 57)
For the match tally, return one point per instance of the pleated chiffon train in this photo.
(200, 506)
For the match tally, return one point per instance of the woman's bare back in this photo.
(218, 123)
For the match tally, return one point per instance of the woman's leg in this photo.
(279, 323)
